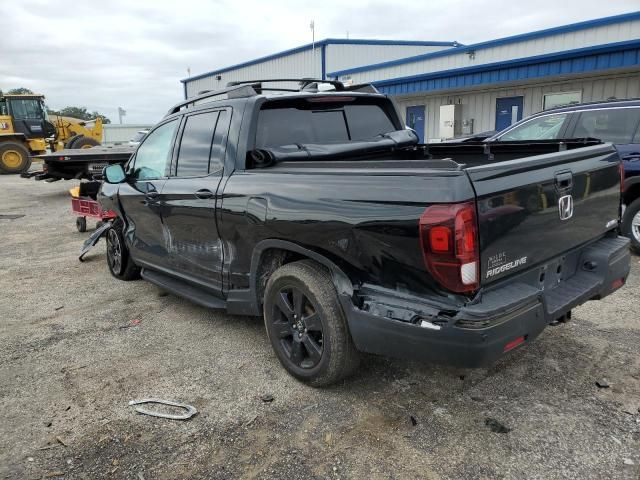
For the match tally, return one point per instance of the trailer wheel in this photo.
(14, 158)
(81, 224)
(84, 142)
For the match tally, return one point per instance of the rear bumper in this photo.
(478, 334)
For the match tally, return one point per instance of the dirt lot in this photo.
(76, 345)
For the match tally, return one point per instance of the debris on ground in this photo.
(496, 426)
(414, 422)
(61, 441)
(190, 410)
(602, 383)
(59, 308)
(10, 216)
(266, 398)
(133, 323)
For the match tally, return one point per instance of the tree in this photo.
(19, 91)
(79, 112)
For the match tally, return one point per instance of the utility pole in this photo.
(121, 113)
(312, 25)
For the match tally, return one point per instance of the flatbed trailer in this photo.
(77, 164)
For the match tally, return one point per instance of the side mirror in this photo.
(114, 174)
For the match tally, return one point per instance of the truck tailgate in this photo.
(533, 209)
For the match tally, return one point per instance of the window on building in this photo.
(154, 154)
(559, 99)
(546, 127)
(615, 125)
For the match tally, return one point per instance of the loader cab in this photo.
(29, 115)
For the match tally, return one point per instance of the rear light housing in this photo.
(621, 171)
(449, 241)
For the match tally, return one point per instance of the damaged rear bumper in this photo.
(501, 318)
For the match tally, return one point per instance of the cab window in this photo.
(615, 125)
(154, 154)
(27, 109)
(547, 127)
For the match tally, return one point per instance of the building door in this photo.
(508, 111)
(416, 120)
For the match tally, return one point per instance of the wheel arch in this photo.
(631, 190)
(269, 255)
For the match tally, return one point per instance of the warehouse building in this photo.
(450, 89)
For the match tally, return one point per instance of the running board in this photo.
(182, 289)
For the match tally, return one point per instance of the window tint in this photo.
(195, 147)
(154, 154)
(216, 160)
(320, 124)
(547, 127)
(615, 125)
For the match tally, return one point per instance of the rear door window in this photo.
(195, 146)
(312, 122)
(615, 125)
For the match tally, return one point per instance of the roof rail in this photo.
(238, 91)
(304, 82)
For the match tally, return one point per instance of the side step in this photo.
(182, 289)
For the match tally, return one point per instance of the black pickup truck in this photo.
(320, 212)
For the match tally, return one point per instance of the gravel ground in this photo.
(76, 345)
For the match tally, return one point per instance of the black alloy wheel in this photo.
(298, 327)
(114, 252)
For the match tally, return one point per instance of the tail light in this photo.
(449, 240)
(621, 170)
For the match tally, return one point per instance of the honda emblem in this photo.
(565, 207)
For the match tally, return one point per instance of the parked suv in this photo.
(320, 212)
(615, 121)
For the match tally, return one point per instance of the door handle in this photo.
(152, 194)
(204, 194)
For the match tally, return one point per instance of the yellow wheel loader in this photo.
(26, 130)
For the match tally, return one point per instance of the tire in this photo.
(84, 142)
(119, 261)
(306, 325)
(631, 224)
(81, 224)
(71, 141)
(14, 157)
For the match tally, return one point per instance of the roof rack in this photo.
(251, 88)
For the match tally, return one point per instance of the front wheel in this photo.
(631, 224)
(306, 325)
(119, 261)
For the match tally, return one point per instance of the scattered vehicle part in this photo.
(328, 218)
(496, 426)
(266, 398)
(602, 383)
(93, 239)
(11, 216)
(190, 410)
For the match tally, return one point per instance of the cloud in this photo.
(103, 55)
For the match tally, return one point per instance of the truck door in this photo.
(140, 195)
(189, 199)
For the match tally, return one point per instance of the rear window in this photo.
(305, 122)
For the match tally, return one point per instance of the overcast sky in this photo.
(132, 53)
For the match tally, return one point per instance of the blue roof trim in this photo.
(598, 22)
(322, 43)
(581, 60)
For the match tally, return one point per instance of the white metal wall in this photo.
(342, 56)
(297, 65)
(308, 64)
(481, 105)
(112, 134)
(618, 32)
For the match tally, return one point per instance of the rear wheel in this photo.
(14, 158)
(631, 224)
(306, 325)
(119, 261)
(84, 142)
